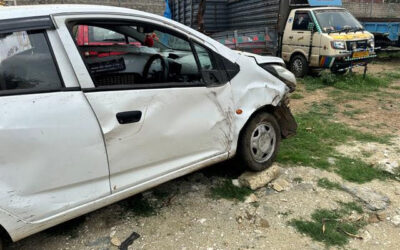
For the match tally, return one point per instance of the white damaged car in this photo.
(100, 103)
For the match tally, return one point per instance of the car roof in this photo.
(51, 9)
(26, 11)
(320, 8)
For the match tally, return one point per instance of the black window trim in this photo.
(62, 88)
(143, 86)
(213, 60)
(34, 92)
(26, 24)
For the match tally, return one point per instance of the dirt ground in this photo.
(189, 218)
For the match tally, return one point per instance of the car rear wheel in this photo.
(299, 66)
(259, 142)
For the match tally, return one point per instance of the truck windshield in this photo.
(337, 21)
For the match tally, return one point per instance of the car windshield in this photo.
(337, 21)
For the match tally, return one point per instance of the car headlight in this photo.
(338, 45)
(371, 43)
(282, 74)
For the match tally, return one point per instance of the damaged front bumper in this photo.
(285, 119)
(349, 59)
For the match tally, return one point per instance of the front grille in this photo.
(362, 44)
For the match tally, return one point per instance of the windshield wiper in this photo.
(358, 29)
(347, 29)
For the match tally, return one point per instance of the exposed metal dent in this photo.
(286, 120)
(262, 59)
(252, 91)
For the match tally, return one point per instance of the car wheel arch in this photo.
(4, 236)
(296, 53)
(287, 130)
(269, 108)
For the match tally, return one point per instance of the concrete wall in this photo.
(153, 6)
(372, 8)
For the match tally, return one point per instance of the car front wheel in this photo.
(259, 142)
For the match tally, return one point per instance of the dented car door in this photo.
(155, 122)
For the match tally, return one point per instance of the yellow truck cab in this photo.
(307, 34)
(337, 40)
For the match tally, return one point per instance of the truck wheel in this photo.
(259, 142)
(298, 65)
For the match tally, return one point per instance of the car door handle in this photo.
(129, 117)
(290, 37)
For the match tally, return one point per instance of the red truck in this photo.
(95, 36)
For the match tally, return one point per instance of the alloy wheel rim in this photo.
(262, 142)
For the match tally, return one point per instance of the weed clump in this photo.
(296, 96)
(227, 190)
(331, 227)
(325, 183)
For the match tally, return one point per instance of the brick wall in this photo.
(372, 9)
(153, 6)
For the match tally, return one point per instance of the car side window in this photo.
(212, 66)
(153, 55)
(301, 21)
(98, 34)
(26, 63)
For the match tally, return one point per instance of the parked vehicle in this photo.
(305, 34)
(385, 30)
(79, 131)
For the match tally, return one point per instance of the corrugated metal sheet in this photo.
(224, 15)
(215, 18)
(249, 25)
(253, 13)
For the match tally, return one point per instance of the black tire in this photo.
(298, 65)
(247, 151)
(1, 244)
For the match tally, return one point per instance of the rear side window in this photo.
(26, 63)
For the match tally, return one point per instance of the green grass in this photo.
(350, 82)
(296, 96)
(348, 106)
(325, 183)
(388, 55)
(334, 223)
(227, 190)
(353, 113)
(316, 139)
(395, 87)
